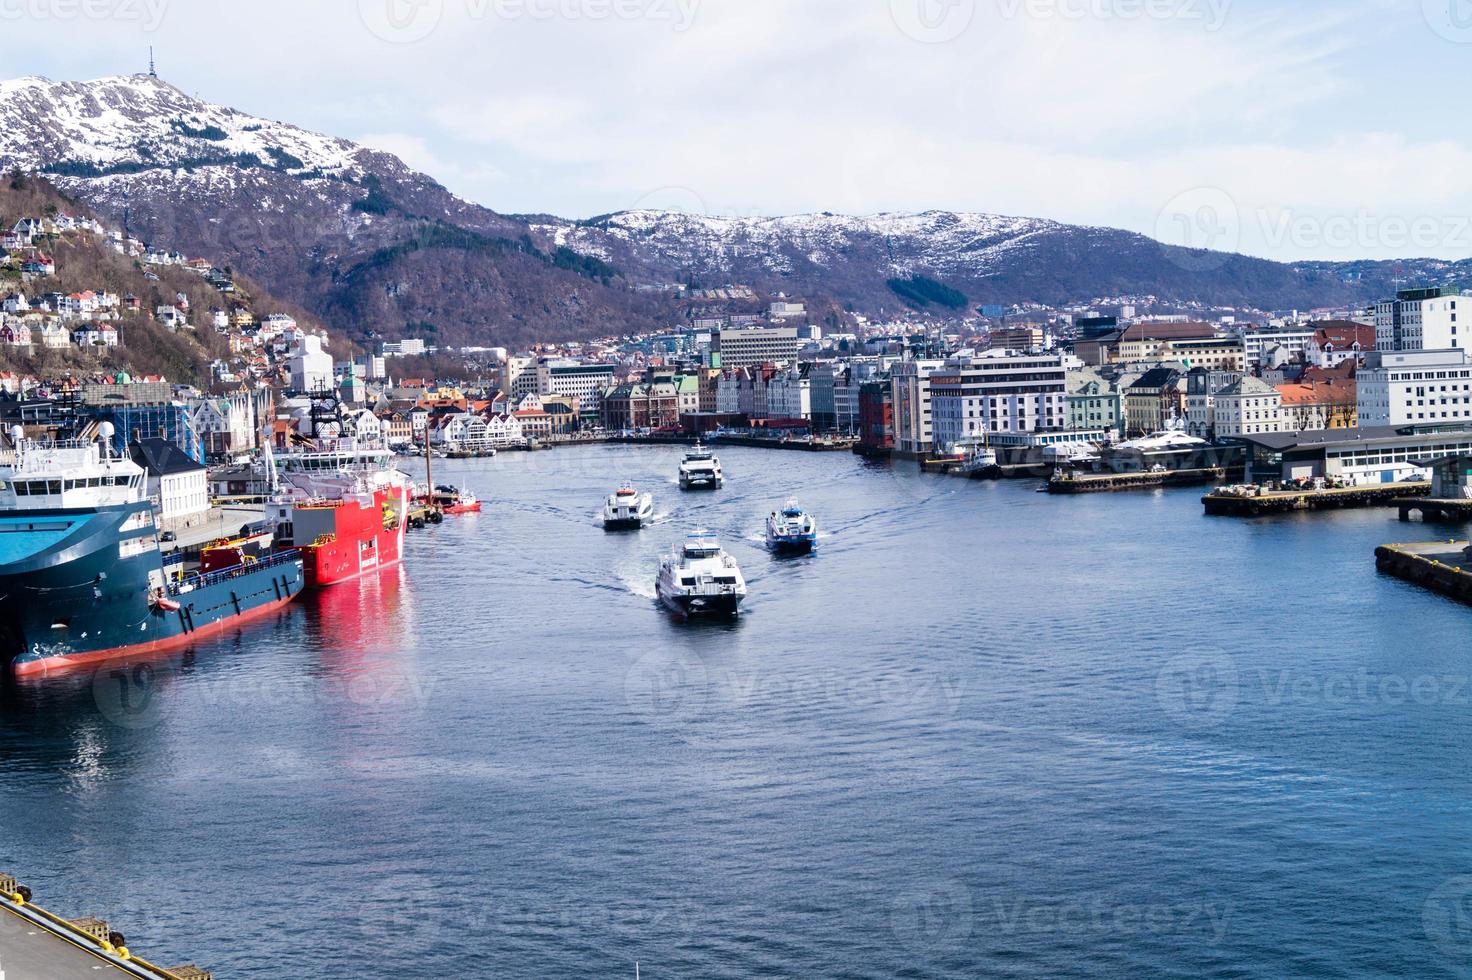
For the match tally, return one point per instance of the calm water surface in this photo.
(983, 732)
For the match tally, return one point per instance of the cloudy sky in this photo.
(1300, 129)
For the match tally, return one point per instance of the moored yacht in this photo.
(1170, 449)
(627, 509)
(700, 579)
(700, 470)
(792, 530)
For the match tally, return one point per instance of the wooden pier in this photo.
(1071, 483)
(1221, 504)
(35, 943)
(1432, 510)
(1443, 567)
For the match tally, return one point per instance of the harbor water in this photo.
(982, 732)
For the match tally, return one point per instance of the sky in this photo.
(1294, 129)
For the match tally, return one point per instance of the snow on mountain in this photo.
(142, 120)
(934, 241)
(352, 232)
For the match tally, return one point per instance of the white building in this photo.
(404, 348)
(757, 345)
(1414, 387)
(910, 388)
(311, 366)
(178, 485)
(790, 394)
(1248, 406)
(1421, 319)
(1292, 339)
(170, 317)
(997, 391)
(573, 379)
(468, 432)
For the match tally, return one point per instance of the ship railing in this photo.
(206, 579)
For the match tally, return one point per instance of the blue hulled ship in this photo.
(82, 576)
(792, 531)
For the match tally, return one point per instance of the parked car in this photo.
(168, 536)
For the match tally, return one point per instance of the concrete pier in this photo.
(1071, 483)
(39, 945)
(1440, 566)
(1224, 504)
(1434, 510)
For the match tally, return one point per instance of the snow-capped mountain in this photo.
(128, 120)
(933, 242)
(378, 248)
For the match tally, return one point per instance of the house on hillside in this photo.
(171, 318)
(95, 335)
(15, 333)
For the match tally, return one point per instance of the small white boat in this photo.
(700, 579)
(700, 470)
(627, 510)
(792, 530)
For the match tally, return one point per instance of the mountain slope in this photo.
(992, 259)
(381, 250)
(346, 230)
(85, 261)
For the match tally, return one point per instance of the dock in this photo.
(1443, 567)
(1223, 503)
(1073, 483)
(821, 445)
(39, 945)
(1433, 510)
(997, 471)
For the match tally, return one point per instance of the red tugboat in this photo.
(453, 500)
(344, 508)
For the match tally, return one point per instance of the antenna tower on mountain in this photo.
(152, 69)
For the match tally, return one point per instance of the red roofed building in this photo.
(1314, 406)
(1336, 341)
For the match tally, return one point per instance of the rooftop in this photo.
(1375, 435)
(160, 457)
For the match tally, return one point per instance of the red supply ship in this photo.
(344, 507)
